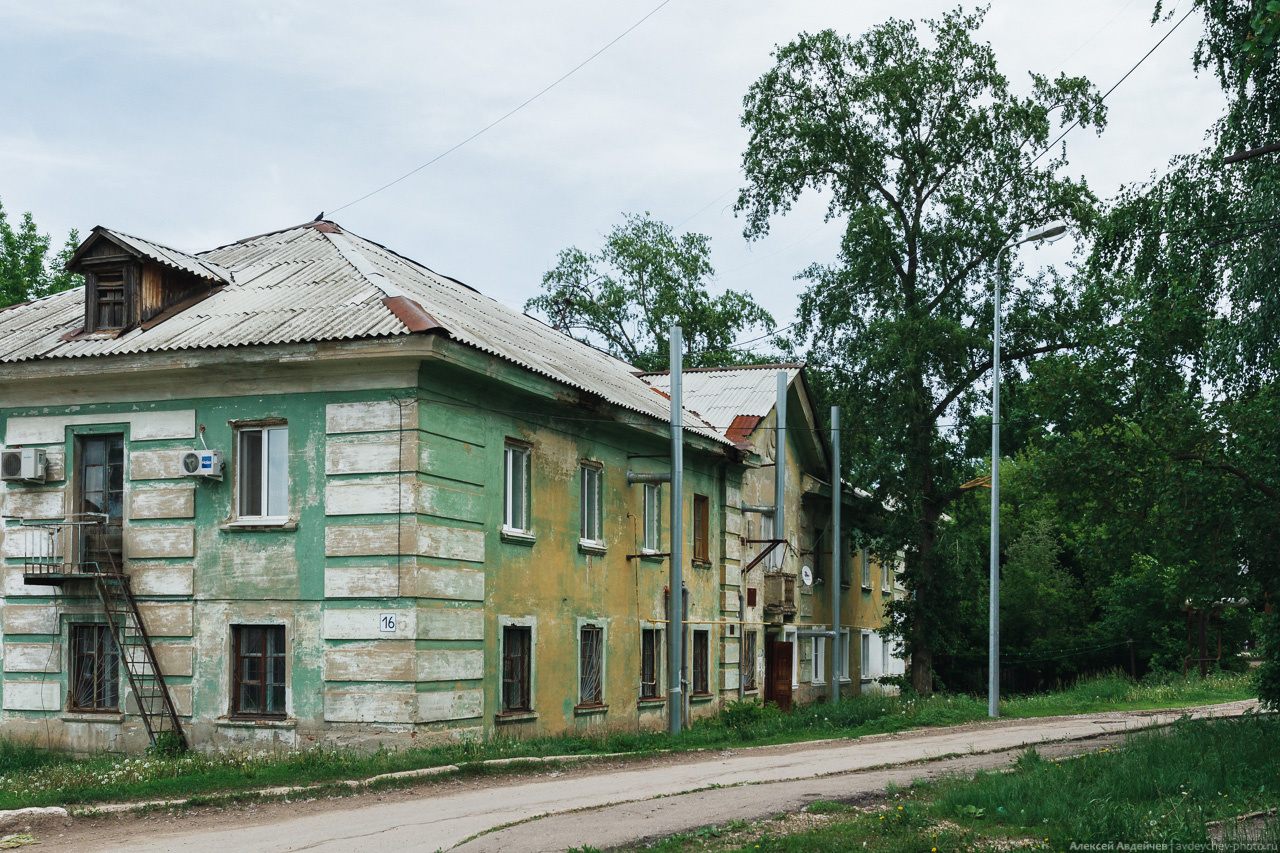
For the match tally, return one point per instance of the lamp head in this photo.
(1049, 233)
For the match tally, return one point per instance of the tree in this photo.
(26, 270)
(932, 160)
(644, 278)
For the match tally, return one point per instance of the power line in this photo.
(510, 112)
(1046, 150)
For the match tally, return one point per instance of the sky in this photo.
(195, 125)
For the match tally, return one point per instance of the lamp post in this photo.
(1046, 233)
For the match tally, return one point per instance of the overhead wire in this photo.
(509, 113)
(744, 344)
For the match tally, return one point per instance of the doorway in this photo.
(777, 672)
(99, 501)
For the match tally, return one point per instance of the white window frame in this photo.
(516, 453)
(768, 527)
(652, 534)
(865, 656)
(865, 559)
(589, 474)
(819, 659)
(789, 635)
(846, 654)
(884, 658)
(265, 432)
(886, 576)
(604, 657)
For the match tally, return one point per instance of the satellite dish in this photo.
(806, 575)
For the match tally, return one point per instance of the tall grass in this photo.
(1162, 786)
(1115, 690)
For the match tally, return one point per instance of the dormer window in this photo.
(110, 299)
(130, 282)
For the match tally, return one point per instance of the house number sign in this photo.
(387, 623)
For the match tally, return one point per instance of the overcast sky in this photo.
(197, 124)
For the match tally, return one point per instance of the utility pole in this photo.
(836, 495)
(675, 610)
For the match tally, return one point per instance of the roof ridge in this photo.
(727, 368)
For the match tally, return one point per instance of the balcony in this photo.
(779, 596)
(79, 547)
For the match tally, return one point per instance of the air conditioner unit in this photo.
(27, 463)
(202, 463)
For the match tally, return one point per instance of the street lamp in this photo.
(1044, 234)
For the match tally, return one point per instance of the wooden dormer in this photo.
(130, 282)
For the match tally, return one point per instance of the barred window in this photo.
(517, 659)
(749, 660)
(650, 663)
(701, 662)
(259, 673)
(95, 669)
(591, 665)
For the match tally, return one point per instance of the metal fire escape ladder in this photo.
(154, 702)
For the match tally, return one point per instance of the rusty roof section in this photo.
(319, 282)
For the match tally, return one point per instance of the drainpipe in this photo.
(780, 464)
(837, 493)
(675, 627)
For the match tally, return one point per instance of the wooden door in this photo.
(777, 676)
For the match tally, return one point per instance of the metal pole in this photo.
(780, 468)
(993, 650)
(675, 627)
(836, 494)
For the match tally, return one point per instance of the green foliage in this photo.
(27, 271)
(1269, 672)
(926, 152)
(1160, 786)
(643, 279)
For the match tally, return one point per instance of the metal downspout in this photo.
(780, 465)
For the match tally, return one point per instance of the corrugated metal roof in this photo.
(720, 395)
(312, 283)
(167, 256)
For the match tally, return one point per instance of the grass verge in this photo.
(1182, 788)
(31, 776)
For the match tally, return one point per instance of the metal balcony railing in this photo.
(80, 545)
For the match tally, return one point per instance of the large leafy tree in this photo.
(27, 269)
(645, 277)
(922, 146)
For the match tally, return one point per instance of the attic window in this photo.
(110, 300)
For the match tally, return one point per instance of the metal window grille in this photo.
(591, 666)
(701, 528)
(516, 504)
(701, 662)
(749, 660)
(650, 662)
(652, 517)
(95, 669)
(517, 655)
(591, 527)
(259, 671)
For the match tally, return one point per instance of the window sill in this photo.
(256, 723)
(700, 698)
(92, 717)
(516, 717)
(652, 702)
(866, 589)
(587, 546)
(844, 679)
(653, 556)
(589, 710)
(701, 564)
(518, 537)
(251, 524)
(817, 684)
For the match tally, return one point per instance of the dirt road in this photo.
(584, 803)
